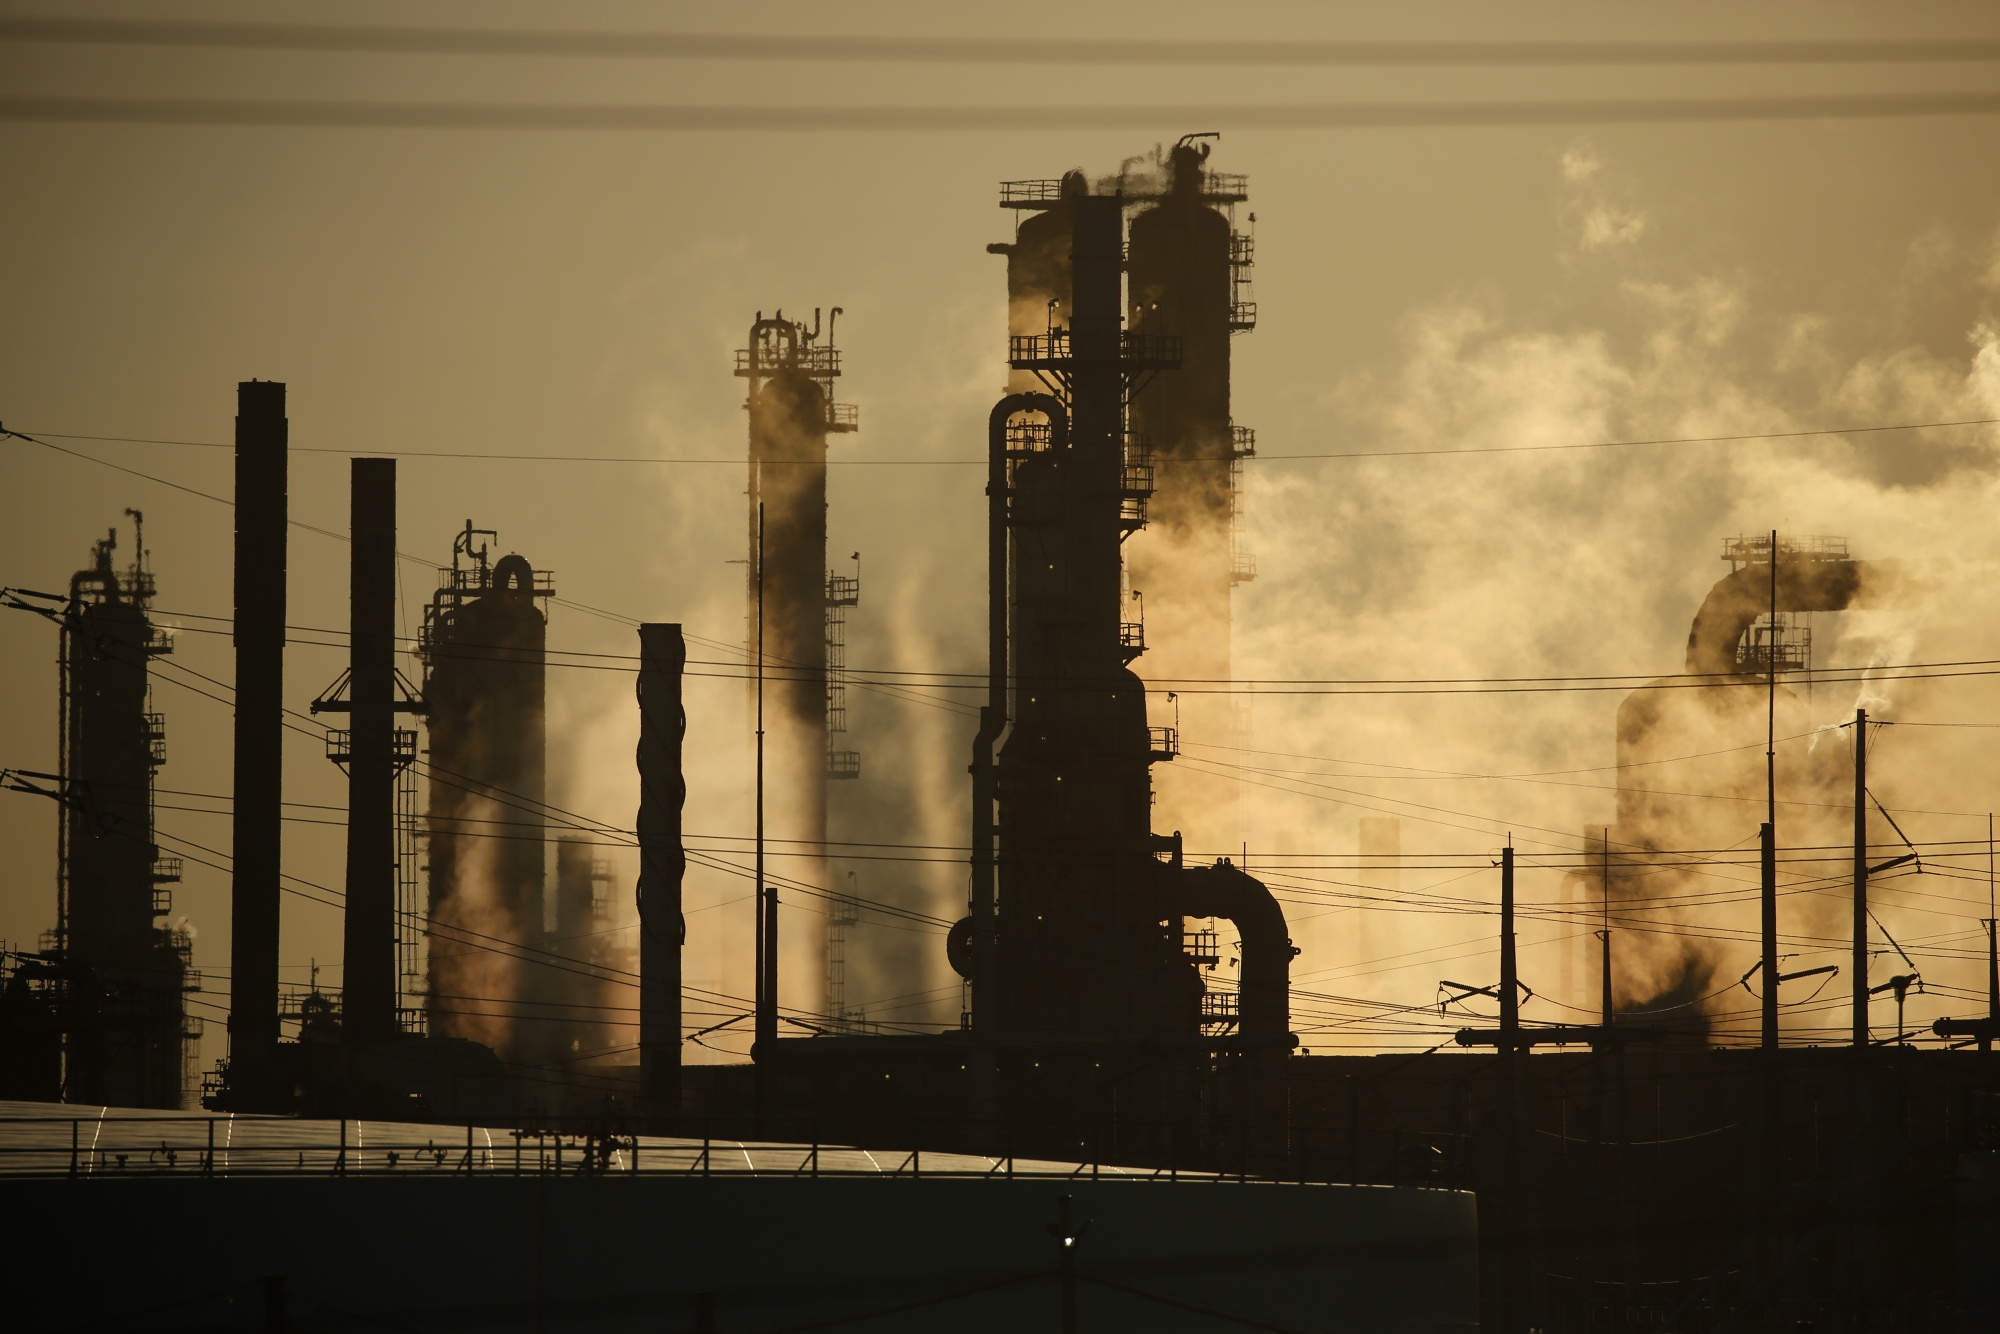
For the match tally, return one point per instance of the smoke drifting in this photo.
(1595, 561)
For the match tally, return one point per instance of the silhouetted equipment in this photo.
(262, 516)
(1088, 928)
(1982, 1030)
(376, 755)
(368, 748)
(484, 646)
(796, 605)
(662, 863)
(99, 1012)
(1187, 276)
(379, 929)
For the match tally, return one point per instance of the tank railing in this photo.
(1225, 187)
(402, 745)
(1739, 551)
(1220, 1011)
(1165, 742)
(1135, 480)
(1030, 194)
(1135, 350)
(477, 579)
(211, 1146)
(815, 359)
(1026, 437)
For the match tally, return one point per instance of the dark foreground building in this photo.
(615, 1235)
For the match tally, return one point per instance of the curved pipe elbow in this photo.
(1222, 890)
(1033, 401)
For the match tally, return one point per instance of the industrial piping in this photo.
(1224, 890)
(261, 468)
(1737, 600)
(993, 717)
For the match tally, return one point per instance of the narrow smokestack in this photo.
(662, 863)
(369, 1007)
(261, 443)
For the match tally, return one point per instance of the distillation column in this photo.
(126, 1036)
(484, 646)
(790, 371)
(1086, 934)
(1185, 262)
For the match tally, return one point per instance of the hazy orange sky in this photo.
(578, 293)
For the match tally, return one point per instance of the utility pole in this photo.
(1992, 944)
(1510, 1002)
(1604, 936)
(1767, 837)
(766, 896)
(1860, 961)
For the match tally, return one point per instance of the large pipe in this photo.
(261, 444)
(368, 1007)
(1737, 600)
(993, 717)
(1223, 890)
(662, 863)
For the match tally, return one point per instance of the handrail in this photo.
(186, 1146)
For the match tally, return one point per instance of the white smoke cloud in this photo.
(1562, 558)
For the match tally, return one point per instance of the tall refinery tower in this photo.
(1187, 275)
(796, 613)
(115, 975)
(484, 646)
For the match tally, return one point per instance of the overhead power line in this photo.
(1265, 457)
(868, 49)
(1015, 120)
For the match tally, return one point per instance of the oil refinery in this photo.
(1143, 1049)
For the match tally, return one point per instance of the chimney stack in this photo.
(368, 1010)
(261, 468)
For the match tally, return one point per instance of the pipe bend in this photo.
(1030, 401)
(1223, 890)
(1738, 599)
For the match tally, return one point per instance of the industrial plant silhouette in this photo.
(1624, 1169)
